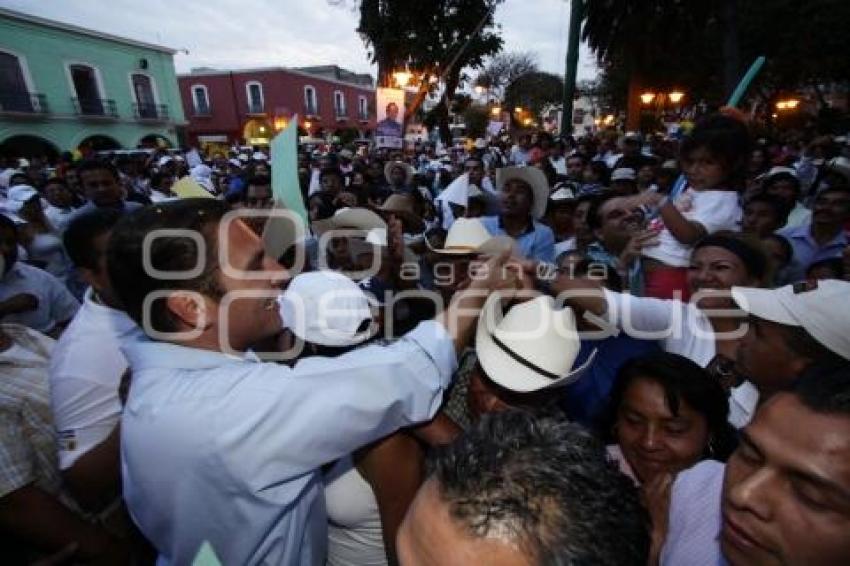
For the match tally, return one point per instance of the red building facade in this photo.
(248, 107)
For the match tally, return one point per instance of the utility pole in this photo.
(573, 44)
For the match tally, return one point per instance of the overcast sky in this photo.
(289, 33)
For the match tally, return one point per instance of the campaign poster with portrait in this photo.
(390, 114)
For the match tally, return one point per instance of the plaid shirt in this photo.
(27, 440)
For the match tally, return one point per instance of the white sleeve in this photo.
(85, 412)
(643, 317)
(291, 421)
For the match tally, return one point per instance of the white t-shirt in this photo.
(680, 328)
(714, 210)
(355, 534)
(85, 372)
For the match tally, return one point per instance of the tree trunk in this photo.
(442, 109)
(633, 107)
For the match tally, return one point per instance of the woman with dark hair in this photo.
(707, 329)
(666, 414)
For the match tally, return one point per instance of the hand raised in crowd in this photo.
(636, 244)
(22, 302)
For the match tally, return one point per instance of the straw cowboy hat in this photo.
(402, 205)
(535, 178)
(469, 236)
(531, 347)
(408, 171)
(350, 219)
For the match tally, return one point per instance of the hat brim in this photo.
(535, 179)
(408, 171)
(506, 371)
(766, 304)
(361, 219)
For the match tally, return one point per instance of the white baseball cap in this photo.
(327, 308)
(821, 308)
(623, 174)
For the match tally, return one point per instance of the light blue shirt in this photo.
(807, 251)
(538, 242)
(695, 518)
(221, 449)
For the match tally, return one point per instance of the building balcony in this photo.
(153, 112)
(256, 109)
(311, 110)
(95, 107)
(201, 112)
(341, 114)
(363, 117)
(24, 103)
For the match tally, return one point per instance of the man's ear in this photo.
(192, 309)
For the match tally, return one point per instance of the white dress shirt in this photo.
(221, 449)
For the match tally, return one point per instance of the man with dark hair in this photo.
(525, 491)
(29, 295)
(390, 126)
(784, 495)
(784, 184)
(102, 187)
(824, 236)
(247, 439)
(792, 330)
(575, 167)
(86, 370)
(764, 214)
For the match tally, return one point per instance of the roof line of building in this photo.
(29, 18)
(214, 72)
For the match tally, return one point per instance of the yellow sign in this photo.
(188, 188)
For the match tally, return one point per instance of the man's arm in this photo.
(95, 478)
(32, 515)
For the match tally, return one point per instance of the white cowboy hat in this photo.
(840, 165)
(469, 236)
(350, 219)
(408, 171)
(531, 347)
(562, 194)
(259, 156)
(535, 178)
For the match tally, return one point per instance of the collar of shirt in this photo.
(528, 229)
(144, 353)
(804, 232)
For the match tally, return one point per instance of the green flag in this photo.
(284, 157)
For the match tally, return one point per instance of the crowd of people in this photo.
(613, 349)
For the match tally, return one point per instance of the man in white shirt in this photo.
(86, 370)
(218, 447)
(28, 295)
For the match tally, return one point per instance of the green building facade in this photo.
(64, 88)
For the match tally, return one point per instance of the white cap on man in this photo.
(821, 308)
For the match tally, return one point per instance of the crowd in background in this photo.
(659, 373)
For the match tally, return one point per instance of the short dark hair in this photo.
(826, 391)
(56, 181)
(836, 264)
(728, 140)
(804, 345)
(8, 225)
(82, 231)
(548, 485)
(98, 165)
(132, 281)
(683, 381)
(593, 220)
(773, 179)
(779, 208)
(746, 247)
